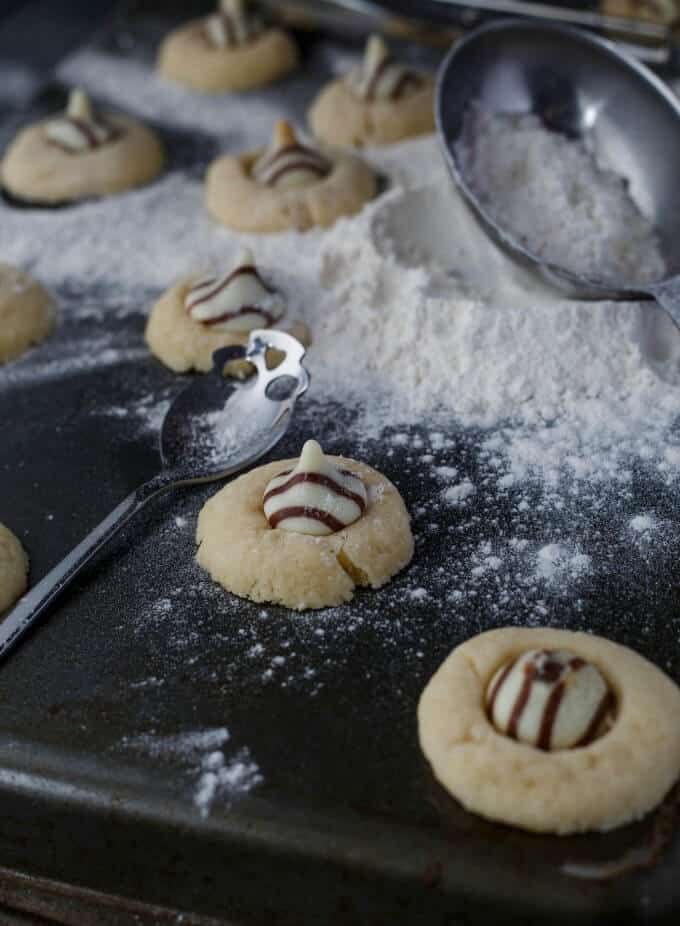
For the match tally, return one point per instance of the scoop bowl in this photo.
(584, 87)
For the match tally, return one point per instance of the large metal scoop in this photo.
(213, 429)
(585, 87)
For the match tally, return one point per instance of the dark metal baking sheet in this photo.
(348, 825)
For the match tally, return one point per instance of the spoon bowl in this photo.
(584, 87)
(218, 423)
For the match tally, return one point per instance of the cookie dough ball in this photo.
(550, 730)
(26, 313)
(304, 533)
(377, 103)
(288, 186)
(13, 569)
(198, 316)
(230, 50)
(80, 154)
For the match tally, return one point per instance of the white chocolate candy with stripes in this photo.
(238, 302)
(380, 76)
(316, 497)
(551, 699)
(287, 164)
(79, 129)
(232, 25)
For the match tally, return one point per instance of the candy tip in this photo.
(284, 134)
(312, 454)
(78, 104)
(245, 258)
(376, 47)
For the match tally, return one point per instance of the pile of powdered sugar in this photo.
(214, 776)
(558, 201)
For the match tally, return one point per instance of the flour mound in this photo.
(554, 195)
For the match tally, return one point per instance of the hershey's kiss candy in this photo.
(79, 129)
(551, 699)
(233, 24)
(317, 497)
(289, 165)
(240, 301)
(380, 76)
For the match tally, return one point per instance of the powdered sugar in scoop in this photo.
(554, 196)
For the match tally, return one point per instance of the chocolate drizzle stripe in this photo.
(308, 159)
(296, 148)
(408, 78)
(317, 169)
(549, 714)
(376, 76)
(62, 147)
(229, 29)
(203, 284)
(548, 669)
(606, 705)
(267, 319)
(239, 271)
(88, 133)
(318, 479)
(302, 511)
(499, 683)
(522, 699)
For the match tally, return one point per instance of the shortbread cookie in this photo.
(230, 50)
(288, 186)
(550, 730)
(13, 569)
(377, 103)
(80, 154)
(199, 315)
(26, 313)
(304, 533)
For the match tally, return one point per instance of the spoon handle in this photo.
(667, 294)
(35, 602)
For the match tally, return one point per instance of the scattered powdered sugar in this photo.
(183, 745)
(219, 435)
(643, 523)
(216, 777)
(530, 179)
(126, 82)
(556, 560)
(220, 779)
(149, 412)
(459, 493)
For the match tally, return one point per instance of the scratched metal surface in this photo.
(348, 825)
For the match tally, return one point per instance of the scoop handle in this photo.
(667, 294)
(34, 603)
